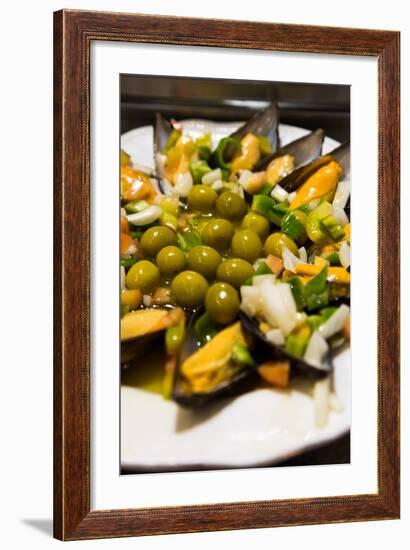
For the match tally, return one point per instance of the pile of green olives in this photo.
(206, 263)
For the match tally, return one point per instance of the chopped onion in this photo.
(336, 322)
(316, 350)
(342, 194)
(300, 318)
(211, 177)
(251, 303)
(344, 254)
(340, 215)
(321, 396)
(144, 169)
(291, 196)
(149, 215)
(244, 175)
(278, 305)
(275, 336)
(147, 300)
(279, 194)
(217, 185)
(184, 184)
(257, 280)
(290, 261)
(303, 255)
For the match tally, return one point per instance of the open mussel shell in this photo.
(263, 123)
(243, 380)
(341, 155)
(137, 347)
(263, 350)
(304, 150)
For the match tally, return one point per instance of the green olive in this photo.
(204, 260)
(257, 223)
(218, 234)
(189, 289)
(235, 271)
(171, 260)
(155, 238)
(231, 206)
(202, 198)
(247, 245)
(274, 243)
(143, 275)
(222, 303)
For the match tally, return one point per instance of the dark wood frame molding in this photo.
(73, 33)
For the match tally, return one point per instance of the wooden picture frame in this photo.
(74, 32)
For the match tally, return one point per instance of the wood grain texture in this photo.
(73, 32)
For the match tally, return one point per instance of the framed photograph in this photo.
(227, 277)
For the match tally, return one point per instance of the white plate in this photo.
(260, 427)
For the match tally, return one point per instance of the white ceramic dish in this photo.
(258, 428)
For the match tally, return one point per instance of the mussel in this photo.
(303, 150)
(341, 155)
(264, 123)
(263, 350)
(240, 378)
(142, 328)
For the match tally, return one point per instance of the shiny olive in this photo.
(218, 234)
(247, 245)
(222, 303)
(189, 289)
(204, 260)
(234, 271)
(155, 238)
(275, 242)
(231, 206)
(257, 223)
(143, 275)
(202, 198)
(170, 260)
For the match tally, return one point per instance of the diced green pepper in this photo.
(263, 269)
(174, 338)
(198, 168)
(188, 240)
(268, 207)
(293, 225)
(136, 206)
(315, 230)
(314, 321)
(335, 230)
(136, 234)
(128, 262)
(204, 153)
(296, 343)
(267, 189)
(205, 329)
(327, 312)
(317, 291)
(298, 292)
(219, 154)
(204, 141)
(333, 258)
(241, 355)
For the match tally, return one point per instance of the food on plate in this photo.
(235, 257)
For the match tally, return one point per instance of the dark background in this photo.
(309, 106)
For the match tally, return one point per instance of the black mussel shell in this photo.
(137, 347)
(304, 150)
(242, 381)
(341, 155)
(264, 350)
(263, 123)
